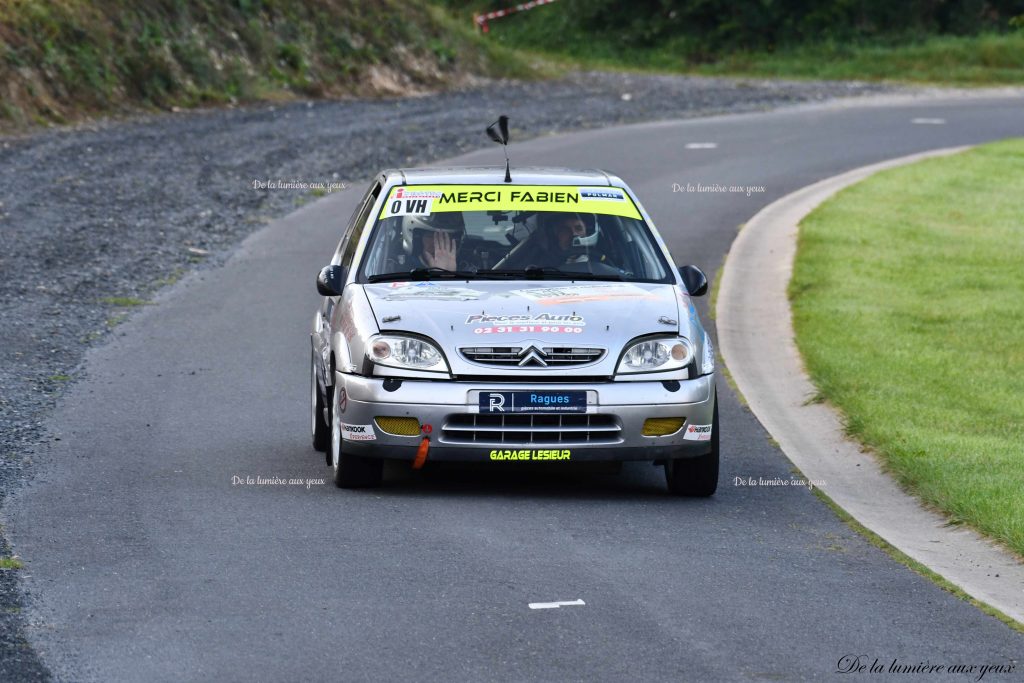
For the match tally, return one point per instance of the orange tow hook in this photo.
(421, 453)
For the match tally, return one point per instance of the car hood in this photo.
(457, 315)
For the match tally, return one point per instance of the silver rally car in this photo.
(469, 318)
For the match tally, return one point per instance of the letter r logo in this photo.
(497, 403)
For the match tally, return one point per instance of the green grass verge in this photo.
(946, 60)
(555, 33)
(908, 305)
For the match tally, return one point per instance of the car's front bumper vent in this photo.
(531, 356)
(525, 429)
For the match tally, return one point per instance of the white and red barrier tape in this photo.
(480, 20)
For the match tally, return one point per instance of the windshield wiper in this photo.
(429, 274)
(549, 273)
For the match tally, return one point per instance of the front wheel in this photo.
(321, 427)
(697, 477)
(350, 471)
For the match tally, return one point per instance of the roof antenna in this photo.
(498, 131)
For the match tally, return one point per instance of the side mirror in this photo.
(695, 280)
(331, 280)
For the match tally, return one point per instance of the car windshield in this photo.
(513, 232)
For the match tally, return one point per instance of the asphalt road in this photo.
(146, 562)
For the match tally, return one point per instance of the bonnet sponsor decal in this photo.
(516, 329)
(405, 291)
(579, 293)
(526, 322)
(526, 319)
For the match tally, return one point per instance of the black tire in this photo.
(697, 477)
(351, 471)
(321, 428)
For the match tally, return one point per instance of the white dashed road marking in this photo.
(701, 145)
(928, 122)
(556, 605)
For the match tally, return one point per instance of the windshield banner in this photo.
(422, 200)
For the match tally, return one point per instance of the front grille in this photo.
(492, 355)
(572, 355)
(526, 429)
(517, 356)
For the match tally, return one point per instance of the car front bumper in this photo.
(449, 416)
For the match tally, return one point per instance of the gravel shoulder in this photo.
(95, 219)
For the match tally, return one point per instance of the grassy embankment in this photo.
(62, 60)
(908, 303)
(554, 32)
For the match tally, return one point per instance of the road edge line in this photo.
(757, 343)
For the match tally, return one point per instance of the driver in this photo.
(572, 237)
(433, 241)
(566, 227)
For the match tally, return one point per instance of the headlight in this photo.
(707, 361)
(655, 355)
(406, 352)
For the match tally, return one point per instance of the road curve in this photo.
(146, 562)
(752, 305)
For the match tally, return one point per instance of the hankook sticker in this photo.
(697, 433)
(357, 432)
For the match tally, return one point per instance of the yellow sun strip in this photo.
(422, 200)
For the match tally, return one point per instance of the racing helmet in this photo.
(414, 227)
